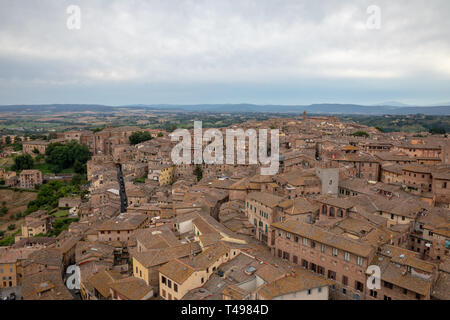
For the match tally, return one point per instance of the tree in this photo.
(79, 167)
(65, 156)
(11, 227)
(8, 140)
(17, 147)
(361, 134)
(160, 134)
(198, 172)
(437, 130)
(3, 211)
(139, 136)
(23, 162)
(36, 151)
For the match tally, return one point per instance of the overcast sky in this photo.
(221, 51)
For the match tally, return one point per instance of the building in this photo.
(261, 212)
(162, 173)
(31, 147)
(121, 228)
(11, 274)
(38, 222)
(29, 179)
(179, 276)
(130, 289)
(300, 286)
(339, 258)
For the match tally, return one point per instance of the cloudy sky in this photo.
(224, 51)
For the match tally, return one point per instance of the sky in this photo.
(224, 51)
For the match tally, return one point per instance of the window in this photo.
(280, 253)
(417, 296)
(388, 285)
(332, 212)
(309, 291)
(345, 280)
(169, 283)
(331, 275)
(296, 238)
(304, 263)
(335, 252)
(313, 244)
(295, 259)
(163, 279)
(319, 289)
(359, 286)
(346, 256)
(288, 235)
(323, 248)
(360, 261)
(305, 241)
(373, 293)
(321, 270)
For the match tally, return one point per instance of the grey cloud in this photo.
(233, 44)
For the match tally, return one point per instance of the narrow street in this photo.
(123, 194)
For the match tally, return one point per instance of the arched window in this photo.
(324, 209)
(332, 212)
(340, 213)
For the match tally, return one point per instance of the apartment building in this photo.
(11, 274)
(359, 166)
(261, 212)
(162, 173)
(179, 276)
(404, 276)
(337, 257)
(121, 228)
(29, 179)
(38, 222)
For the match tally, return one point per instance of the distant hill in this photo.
(46, 108)
(337, 109)
(314, 108)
